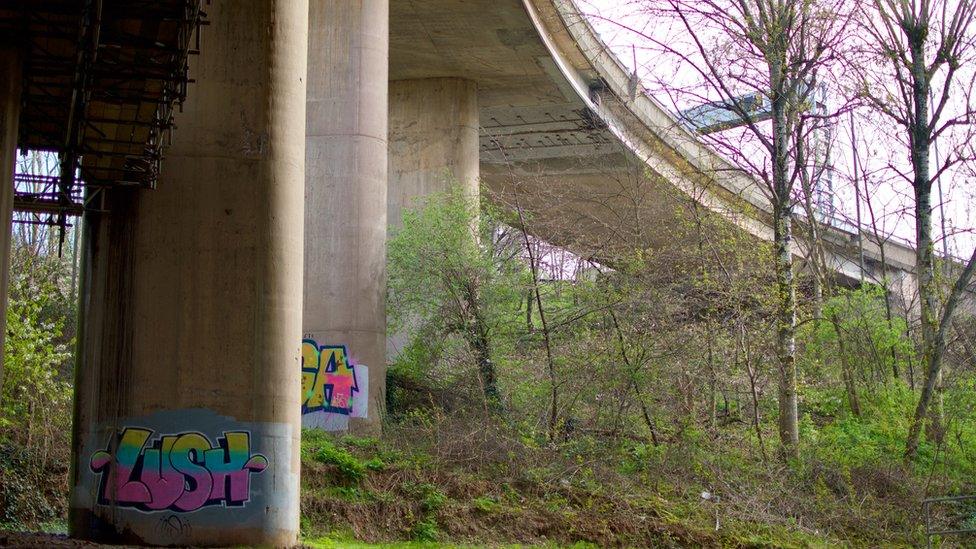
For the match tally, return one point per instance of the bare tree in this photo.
(762, 69)
(917, 70)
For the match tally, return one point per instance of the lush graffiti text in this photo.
(178, 472)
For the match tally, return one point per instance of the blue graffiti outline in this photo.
(328, 388)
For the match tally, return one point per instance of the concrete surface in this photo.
(191, 308)
(10, 67)
(433, 141)
(346, 186)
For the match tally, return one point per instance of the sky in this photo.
(660, 73)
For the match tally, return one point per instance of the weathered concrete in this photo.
(346, 186)
(433, 140)
(10, 68)
(191, 309)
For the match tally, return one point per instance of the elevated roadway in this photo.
(556, 117)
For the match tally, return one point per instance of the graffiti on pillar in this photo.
(333, 388)
(179, 472)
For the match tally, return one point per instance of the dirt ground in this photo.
(34, 539)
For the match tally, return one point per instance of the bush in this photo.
(350, 468)
(35, 410)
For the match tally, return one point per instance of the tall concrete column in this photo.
(187, 418)
(433, 148)
(433, 140)
(345, 213)
(10, 84)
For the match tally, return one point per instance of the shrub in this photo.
(350, 468)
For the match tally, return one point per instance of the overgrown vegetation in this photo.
(665, 396)
(442, 480)
(35, 403)
(666, 389)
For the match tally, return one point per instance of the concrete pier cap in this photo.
(187, 421)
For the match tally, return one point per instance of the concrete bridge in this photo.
(254, 248)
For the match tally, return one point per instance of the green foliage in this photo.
(450, 294)
(374, 464)
(443, 247)
(431, 497)
(363, 443)
(425, 530)
(431, 500)
(873, 345)
(36, 390)
(350, 468)
(854, 352)
(347, 493)
(876, 438)
(642, 457)
(35, 404)
(415, 359)
(21, 501)
(486, 504)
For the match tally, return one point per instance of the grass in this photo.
(339, 543)
(446, 491)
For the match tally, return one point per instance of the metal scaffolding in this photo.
(101, 81)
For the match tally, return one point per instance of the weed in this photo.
(374, 464)
(350, 468)
(425, 530)
(486, 504)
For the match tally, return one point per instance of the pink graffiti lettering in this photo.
(179, 472)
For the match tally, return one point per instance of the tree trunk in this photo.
(712, 381)
(815, 245)
(478, 340)
(924, 257)
(885, 281)
(632, 370)
(785, 284)
(848, 370)
(786, 338)
(550, 362)
(753, 374)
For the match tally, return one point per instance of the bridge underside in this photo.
(552, 107)
(581, 185)
(243, 297)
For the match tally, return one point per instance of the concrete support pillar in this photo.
(10, 84)
(187, 421)
(345, 214)
(433, 148)
(433, 140)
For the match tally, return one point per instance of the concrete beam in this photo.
(10, 67)
(187, 423)
(345, 212)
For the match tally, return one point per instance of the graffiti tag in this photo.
(178, 472)
(329, 380)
